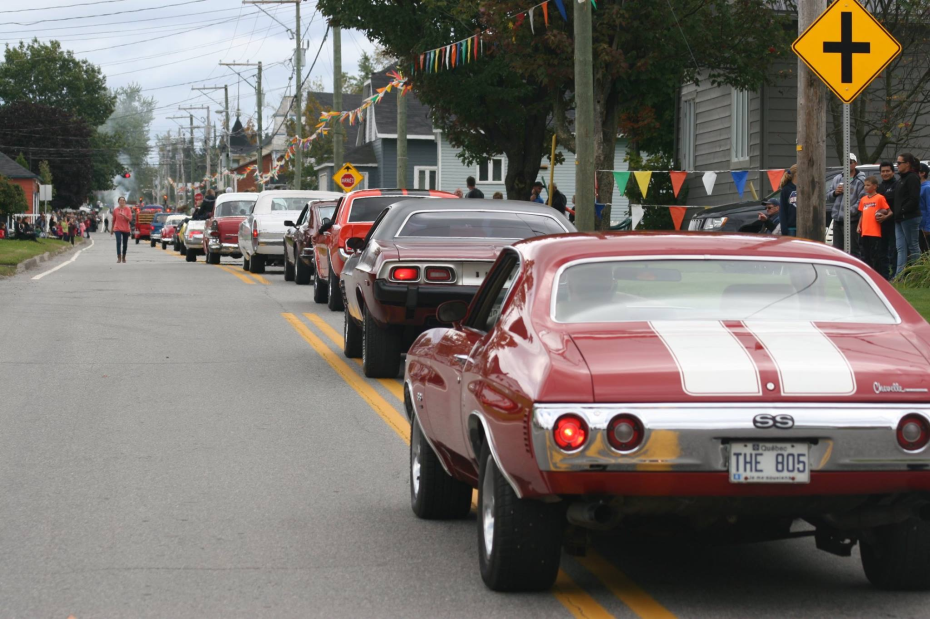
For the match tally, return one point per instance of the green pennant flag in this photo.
(621, 178)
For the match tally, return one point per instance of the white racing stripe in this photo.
(66, 263)
(808, 361)
(709, 357)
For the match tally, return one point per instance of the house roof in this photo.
(418, 120)
(11, 169)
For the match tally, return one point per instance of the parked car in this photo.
(299, 261)
(170, 228)
(222, 228)
(419, 254)
(158, 222)
(179, 237)
(193, 239)
(732, 384)
(261, 233)
(353, 218)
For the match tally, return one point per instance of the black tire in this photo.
(525, 535)
(896, 557)
(164, 246)
(351, 337)
(334, 300)
(320, 289)
(381, 349)
(191, 255)
(434, 494)
(288, 269)
(212, 258)
(137, 240)
(152, 242)
(245, 263)
(302, 272)
(257, 264)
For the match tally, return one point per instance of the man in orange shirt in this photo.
(870, 229)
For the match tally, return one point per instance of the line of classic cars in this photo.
(724, 387)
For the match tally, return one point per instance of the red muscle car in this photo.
(418, 255)
(299, 242)
(353, 218)
(732, 384)
(222, 229)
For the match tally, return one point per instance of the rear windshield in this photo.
(368, 209)
(479, 224)
(287, 204)
(196, 224)
(161, 218)
(619, 291)
(326, 212)
(233, 208)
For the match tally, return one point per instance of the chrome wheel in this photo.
(415, 463)
(487, 512)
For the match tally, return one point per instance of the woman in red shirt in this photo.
(122, 217)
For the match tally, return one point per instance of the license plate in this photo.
(770, 463)
(473, 273)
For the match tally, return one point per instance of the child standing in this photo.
(870, 229)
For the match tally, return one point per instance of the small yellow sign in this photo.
(847, 48)
(348, 177)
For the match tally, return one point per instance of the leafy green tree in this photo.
(22, 160)
(12, 198)
(45, 173)
(356, 85)
(43, 73)
(104, 159)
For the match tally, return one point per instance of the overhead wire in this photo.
(124, 22)
(62, 6)
(151, 8)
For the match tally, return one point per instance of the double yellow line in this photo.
(574, 598)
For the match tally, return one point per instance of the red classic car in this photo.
(419, 254)
(354, 216)
(725, 384)
(222, 229)
(299, 242)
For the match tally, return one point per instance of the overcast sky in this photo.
(164, 45)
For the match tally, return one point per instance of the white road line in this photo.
(64, 264)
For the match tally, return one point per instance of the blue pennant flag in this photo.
(739, 179)
(561, 7)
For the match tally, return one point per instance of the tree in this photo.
(356, 85)
(45, 173)
(321, 149)
(12, 198)
(22, 160)
(43, 73)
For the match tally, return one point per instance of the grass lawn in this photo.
(14, 252)
(919, 298)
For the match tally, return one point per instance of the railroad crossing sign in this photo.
(847, 48)
(348, 177)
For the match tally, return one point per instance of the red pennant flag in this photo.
(520, 19)
(545, 8)
(422, 56)
(678, 215)
(475, 46)
(678, 179)
(775, 177)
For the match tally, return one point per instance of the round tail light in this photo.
(625, 432)
(913, 432)
(570, 432)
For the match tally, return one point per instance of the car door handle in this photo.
(462, 359)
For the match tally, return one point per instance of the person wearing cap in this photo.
(835, 195)
(769, 220)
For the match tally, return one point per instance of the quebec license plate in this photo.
(770, 463)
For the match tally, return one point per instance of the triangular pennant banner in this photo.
(545, 7)
(636, 212)
(532, 27)
(561, 7)
(709, 179)
(642, 179)
(739, 179)
(621, 178)
(678, 179)
(775, 178)
(678, 215)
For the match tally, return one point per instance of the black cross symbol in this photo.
(846, 47)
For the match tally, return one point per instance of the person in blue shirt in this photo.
(535, 195)
(924, 173)
(786, 207)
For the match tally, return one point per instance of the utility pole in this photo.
(337, 98)
(298, 68)
(402, 142)
(225, 90)
(206, 130)
(812, 138)
(258, 96)
(584, 119)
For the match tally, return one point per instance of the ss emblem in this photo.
(782, 422)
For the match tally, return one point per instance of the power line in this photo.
(152, 8)
(124, 22)
(63, 6)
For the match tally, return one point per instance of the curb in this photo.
(31, 263)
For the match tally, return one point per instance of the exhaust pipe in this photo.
(593, 515)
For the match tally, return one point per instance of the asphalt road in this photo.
(185, 440)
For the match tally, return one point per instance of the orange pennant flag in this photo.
(454, 50)
(545, 8)
(775, 178)
(678, 215)
(678, 179)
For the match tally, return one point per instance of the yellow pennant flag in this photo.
(642, 179)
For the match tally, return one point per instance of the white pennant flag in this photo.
(636, 212)
(532, 28)
(448, 53)
(709, 179)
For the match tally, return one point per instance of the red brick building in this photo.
(18, 175)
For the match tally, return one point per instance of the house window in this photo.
(491, 170)
(688, 134)
(739, 137)
(424, 177)
(324, 181)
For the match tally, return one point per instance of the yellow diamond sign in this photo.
(847, 48)
(348, 177)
